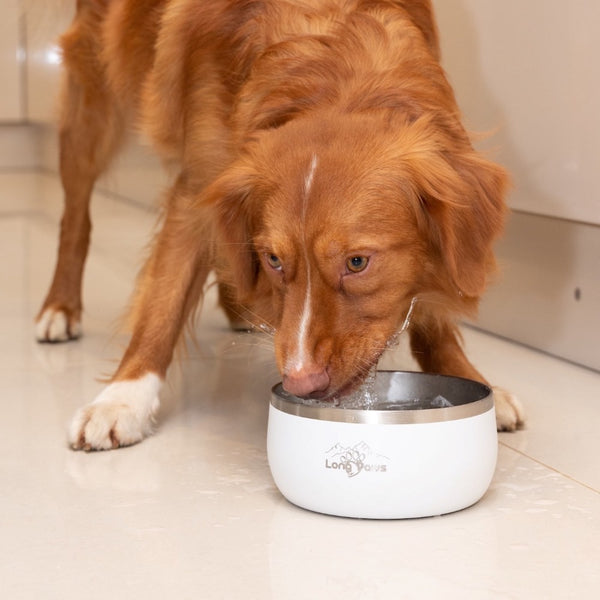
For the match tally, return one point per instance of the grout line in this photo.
(531, 213)
(20, 170)
(543, 464)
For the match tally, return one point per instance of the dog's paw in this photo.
(57, 325)
(121, 415)
(509, 411)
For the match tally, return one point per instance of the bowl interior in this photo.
(396, 396)
(398, 390)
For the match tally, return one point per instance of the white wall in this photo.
(12, 99)
(531, 68)
(45, 20)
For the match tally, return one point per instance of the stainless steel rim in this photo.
(470, 398)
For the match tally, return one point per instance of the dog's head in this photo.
(331, 227)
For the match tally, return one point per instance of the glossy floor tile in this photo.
(192, 512)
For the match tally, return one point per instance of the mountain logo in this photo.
(354, 460)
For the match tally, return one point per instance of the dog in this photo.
(324, 175)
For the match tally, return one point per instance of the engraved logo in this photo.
(357, 459)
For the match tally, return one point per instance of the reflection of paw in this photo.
(121, 415)
(509, 412)
(56, 325)
(129, 472)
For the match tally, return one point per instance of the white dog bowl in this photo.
(426, 446)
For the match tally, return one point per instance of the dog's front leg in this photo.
(436, 345)
(168, 290)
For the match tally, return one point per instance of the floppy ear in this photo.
(232, 197)
(463, 197)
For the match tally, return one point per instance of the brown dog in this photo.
(324, 174)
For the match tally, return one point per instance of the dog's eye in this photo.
(274, 262)
(356, 264)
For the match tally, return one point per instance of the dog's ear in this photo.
(463, 196)
(233, 203)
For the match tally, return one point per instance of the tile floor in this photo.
(192, 512)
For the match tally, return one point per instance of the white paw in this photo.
(121, 415)
(54, 325)
(509, 411)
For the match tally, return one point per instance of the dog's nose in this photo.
(306, 382)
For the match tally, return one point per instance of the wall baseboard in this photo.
(547, 293)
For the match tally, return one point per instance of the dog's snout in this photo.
(306, 382)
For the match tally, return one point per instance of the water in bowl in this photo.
(367, 397)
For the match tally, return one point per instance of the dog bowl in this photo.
(426, 445)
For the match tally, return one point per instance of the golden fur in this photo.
(308, 134)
